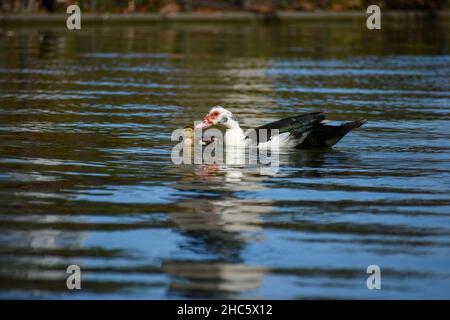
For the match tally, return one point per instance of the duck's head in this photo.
(218, 116)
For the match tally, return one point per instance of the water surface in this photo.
(86, 176)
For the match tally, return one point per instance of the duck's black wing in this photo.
(297, 125)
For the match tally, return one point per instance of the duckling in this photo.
(188, 133)
(189, 137)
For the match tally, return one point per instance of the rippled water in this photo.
(86, 176)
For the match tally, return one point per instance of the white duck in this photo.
(301, 132)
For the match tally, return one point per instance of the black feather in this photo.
(297, 125)
(299, 122)
(309, 131)
(326, 136)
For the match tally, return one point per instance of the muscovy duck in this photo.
(303, 131)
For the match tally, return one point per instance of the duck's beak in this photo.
(204, 124)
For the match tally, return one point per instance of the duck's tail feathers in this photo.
(327, 135)
(349, 126)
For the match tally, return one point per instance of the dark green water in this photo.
(86, 176)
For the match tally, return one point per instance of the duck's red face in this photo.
(209, 120)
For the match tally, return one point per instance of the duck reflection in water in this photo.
(220, 229)
(216, 279)
(223, 227)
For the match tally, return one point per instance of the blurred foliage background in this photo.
(174, 6)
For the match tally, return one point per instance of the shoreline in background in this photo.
(215, 17)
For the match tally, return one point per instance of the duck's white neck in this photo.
(234, 135)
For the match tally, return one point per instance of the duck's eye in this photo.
(215, 114)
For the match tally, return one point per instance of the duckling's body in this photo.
(189, 137)
(188, 133)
